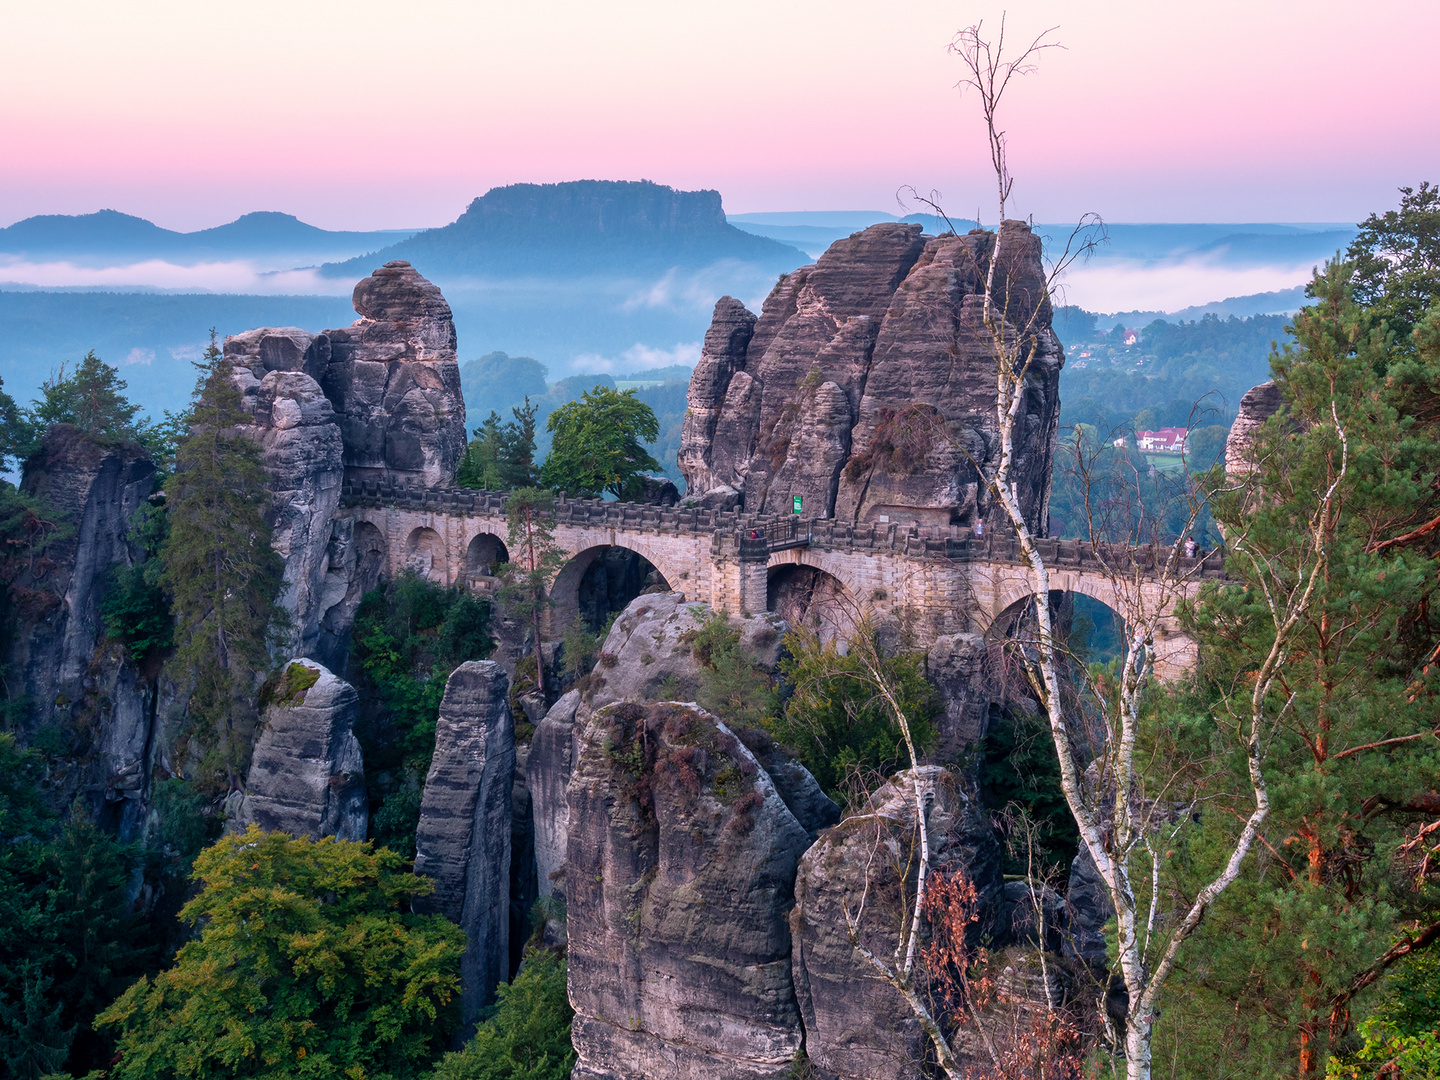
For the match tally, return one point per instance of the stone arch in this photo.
(1176, 652)
(371, 558)
(425, 554)
(578, 590)
(484, 552)
(807, 595)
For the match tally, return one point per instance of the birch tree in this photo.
(1118, 810)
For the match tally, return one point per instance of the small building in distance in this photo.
(1167, 440)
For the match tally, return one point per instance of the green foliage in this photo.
(579, 649)
(527, 1037)
(1402, 1037)
(68, 940)
(501, 457)
(135, 610)
(1396, 257)
(731, 685)
(535, 559)
(837, 722)
(596, 445)
(409, 635)
(219, 567)
(1350, 759)
(92, 398)
(306, 964)
(16, 435)
(1019, 769)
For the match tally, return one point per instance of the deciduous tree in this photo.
(306, 963)
(597, 444)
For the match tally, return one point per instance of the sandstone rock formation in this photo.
(294, 423)
(380, 398)
(855, 1026)
(547, 774)
(1257, 406)
(866, 386)
(394, 381)
(463, 841)
(959, 666)
(306, 775)
(681, 859)
(646, 656)
(56, 657)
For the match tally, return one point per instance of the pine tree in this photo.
(535, 559)
(501, 456)
(1353, 759)
(92, 398)
(221, 571)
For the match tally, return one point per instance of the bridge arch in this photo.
(425, 554)
(814, 589)
(1175, 651)
(607, 575)
(483, 553)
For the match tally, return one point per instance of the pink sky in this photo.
(360, 114)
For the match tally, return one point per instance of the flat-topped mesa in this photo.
(866, 387)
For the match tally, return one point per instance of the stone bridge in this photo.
(935, 580)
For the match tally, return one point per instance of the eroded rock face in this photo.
(1257, 406)
(856, 1027)
(959, 666)
(681, 856)
(647, 655)
(295, 426)
(306, 776)
(867, 385)
(649, 650)
(464, 838)
(57, 653)
(547, 773)
(394, 382)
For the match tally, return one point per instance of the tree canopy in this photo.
(501, 456)
(220, 568)
(597, 444)
(306, 963)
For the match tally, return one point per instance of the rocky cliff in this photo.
(647, 655)
(1258, 405)
(58, 661)
(866, 385)
(306, 776)
(464, 838)
(682, 858)
(380, 398)
(856, 1027)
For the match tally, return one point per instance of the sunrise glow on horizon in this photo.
(369, 115)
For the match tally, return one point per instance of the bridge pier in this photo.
(933, 581)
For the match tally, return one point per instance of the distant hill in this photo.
(108, 235)
(580, 227)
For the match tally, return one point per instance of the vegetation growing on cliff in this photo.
(527, 1035)
(409, 635)
(221, 570)
(305, 955)
(69, 940)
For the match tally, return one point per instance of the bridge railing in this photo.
(756, 536)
